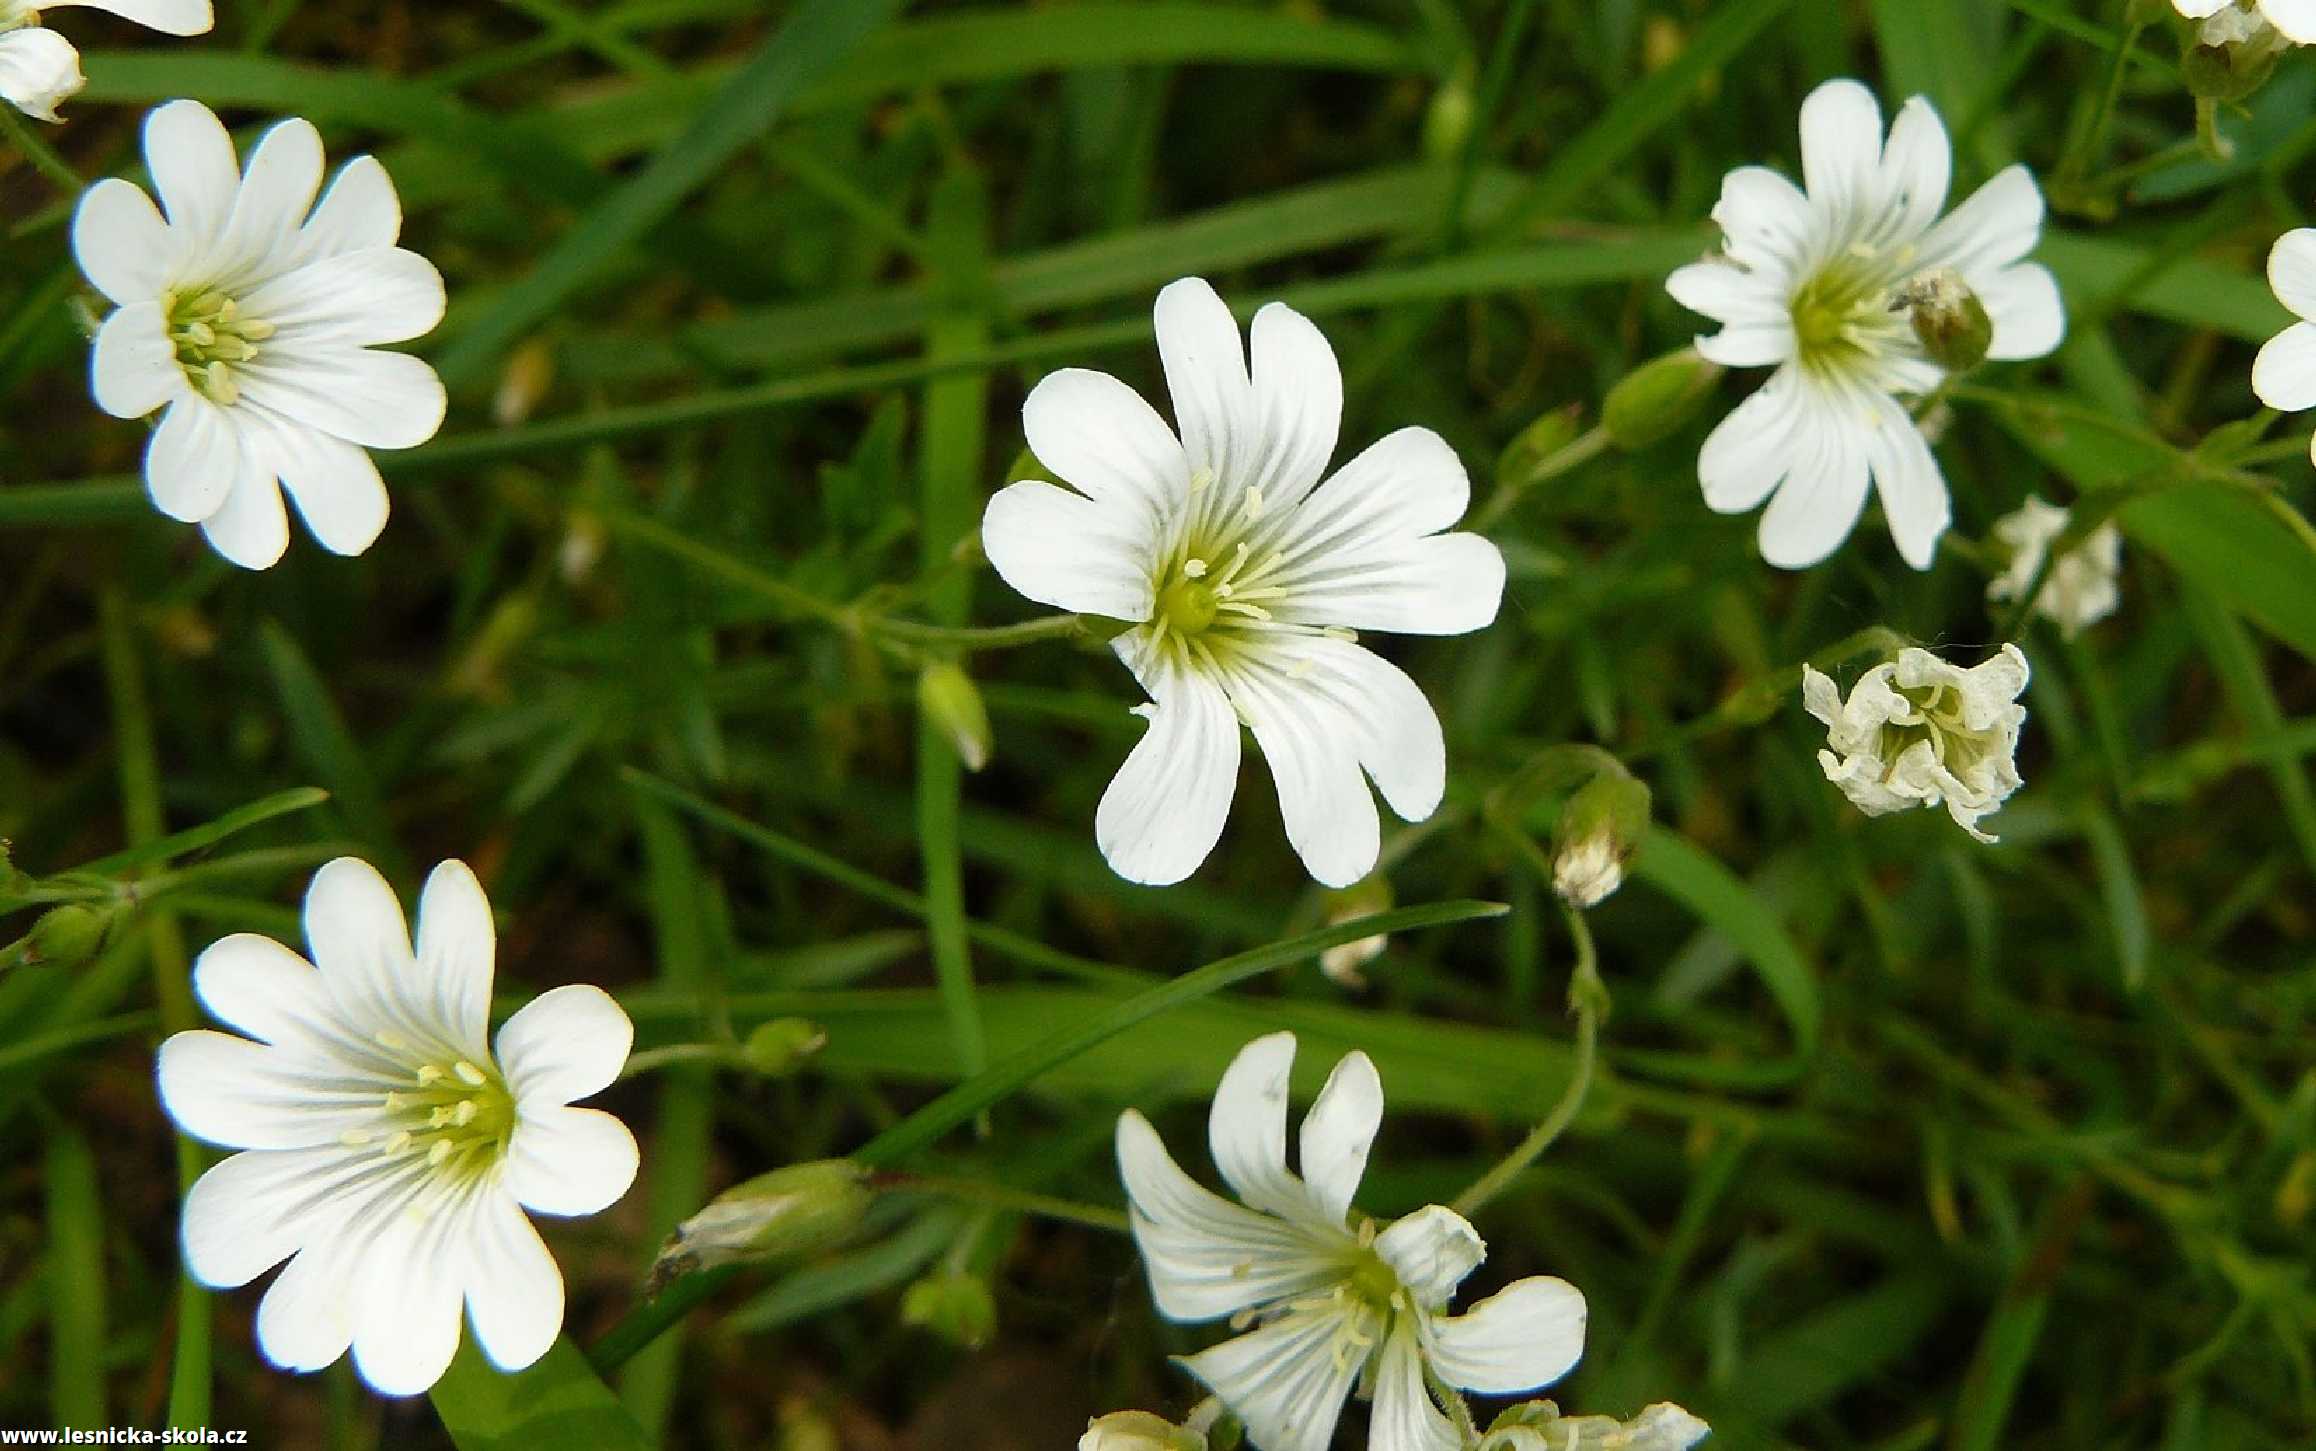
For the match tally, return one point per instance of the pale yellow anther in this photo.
(468, 1074)
(1194, 568)
(354, 1138)
(430, 1073)
(399, 1142)
(465, 1112)
(438, 1153)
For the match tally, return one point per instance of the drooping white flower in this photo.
(252, 315)
(1539, 1426)
(2235, 21)
(1243, 576)
(2284, 374)
(1824, 285)
(1917, 731)
(2081, 588)
(39, 68)
(1138, 1431)
(1338, 1303)
(388, 1155)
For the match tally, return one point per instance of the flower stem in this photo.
(1588, 1000)
(2090, 144)
(1573, 455)
(37, 151)
(998, 1196)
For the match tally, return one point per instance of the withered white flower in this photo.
(1338, 1303)
(1917, 731)
(388, 1155)
(1539, 1426)
(1242, 576)
(1826, 286)
(2235, 21)
(39, 69)
(2081, 588)
(2284, 374)
(253, 314)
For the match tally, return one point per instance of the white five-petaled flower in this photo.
(1242, 576)
(388, 1155)
(39, 68)
(1337, 1304)
(2227, 21)
(2284, 374)
(2081, 587)
(252, 314)
(1825, 284)
(1917, 731)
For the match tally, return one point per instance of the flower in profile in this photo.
(1861, 296)
(2284, 374)
(1337, 1302)
(1539, 1426)
(388, 1155)
(2080, 588)
(39, 68)
(252, 314)
(1138, 1431)
(1241, 577)
(2232, 22)
(1917, 731)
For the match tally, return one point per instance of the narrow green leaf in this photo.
(322, 740)
(2119, 890)
(76, 1283)
(1670, 863)
(241, 818)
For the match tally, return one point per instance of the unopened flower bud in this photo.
(950, 700)
(790, 1211)
(2234, 53)
(1949, 320)
(1447, 122)
(1653, 400)
(1138, 1431)
(1598, 831)
(953, 1305)
(1537, 442)
(777, 1048)
(1341, 963)
(64, 936)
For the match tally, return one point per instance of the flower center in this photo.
(1188, 606)
(1841, 315)
(456, 1112)
(1938, 720)
(212, 337)
(1373, 1282)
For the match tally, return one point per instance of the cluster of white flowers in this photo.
(2080, 588)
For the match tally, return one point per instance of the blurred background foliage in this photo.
(1900, 1142)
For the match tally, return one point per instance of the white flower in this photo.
(251, 314)
(1539, 1426)
(2284, 374)
(1917, 731)
(2081, 588)
(39, 68)
(1338, 1304)
(1138, 1431)
(389, 1155)
(1819, 285)
(1243, 577)
(2235, 21)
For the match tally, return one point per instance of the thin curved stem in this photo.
(998, 1196)
(1588, 1000)
(37, 151)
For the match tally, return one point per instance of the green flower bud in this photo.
(1138, 1431)
(955, 1306)
(790, 1211)
(1537, 442)
(1949, 320)
(950, 700)
(1597, 833)
(2228, 69)
(1447, 122)
(778, 1048)
(65, 936)
(1653, 400)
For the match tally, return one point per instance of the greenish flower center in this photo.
(457, 1113)
(212, 338)
(1187, 606)
(1372, 1282)
(1841, 313)
(1955, 746)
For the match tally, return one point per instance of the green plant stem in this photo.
(189, 1376)
(2091, 144)
(1570, 456)
(1588, 1000)
(43, 156)
(998, 1196)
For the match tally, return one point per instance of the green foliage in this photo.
(679, 630)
